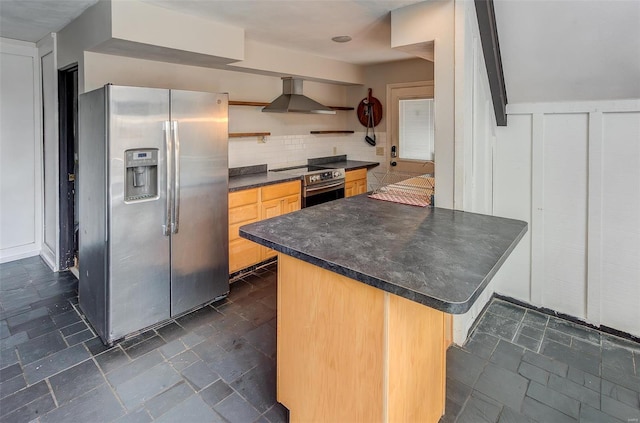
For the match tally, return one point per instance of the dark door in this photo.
(68, 123)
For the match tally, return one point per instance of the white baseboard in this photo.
(49, 257)
(17, 253)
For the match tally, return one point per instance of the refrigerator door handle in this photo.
(176, 178)
(166, 228)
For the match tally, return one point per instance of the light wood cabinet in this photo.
(251, 205)
(355, 182)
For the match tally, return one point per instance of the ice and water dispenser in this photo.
(142, 174)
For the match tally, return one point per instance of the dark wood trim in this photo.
(492, 59)
(67, 119)
(330, 132)
(248, 134)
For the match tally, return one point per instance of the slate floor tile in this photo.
(12, 385)
(8, 357)
(619, 409)
(556, 336)
(145, 386)
(236, 410)
(199, 317)
(498, 326)
(626, 379)
(507, 355)
(263, 338)
(199, 375)
(73, 328)
(572, 389)
(171, 331)
(526, 342)
(79, 337)
(585, 379)
(463, 366)
(136, 367)
(277, 414)
(617, 357)
(95, 346)
(40, 347)
(112, 359)
(457, 392)
(216, 392)
(535, 319)
(65, 319)
(620, 393)
(172, 348)
(137, 416)
(232, 364)
(479, 410)
(586, 362)
(136, 339)
(587, 347)
(168, 399)
(97, 405)
(510, 416)
(22, 397)
(31, 411)
(534, 373)
(75, 381)
(505, 309)
(193, 409)
(52, 364)
(14, 340)
(554, 399)
(573, 329)
(531, 332)
(10, 372)
(591, 415)
(258, 386)
(183, 360)
(145, 346)
(502, 385)
(481, 344)
(543, 413)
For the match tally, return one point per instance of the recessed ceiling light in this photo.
(341, 39)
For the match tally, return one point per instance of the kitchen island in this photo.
(365, 293)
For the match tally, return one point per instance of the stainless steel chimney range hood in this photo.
(293, 101)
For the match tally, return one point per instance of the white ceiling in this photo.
(552, 50)
(569, 50)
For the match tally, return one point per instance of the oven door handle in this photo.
(324, 188)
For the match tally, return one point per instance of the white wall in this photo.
(48, 87)
(573, 171)
(20, 186)
(475, 127)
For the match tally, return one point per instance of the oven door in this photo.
(318, 194)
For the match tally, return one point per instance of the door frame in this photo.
(410, 166)
(68, 115)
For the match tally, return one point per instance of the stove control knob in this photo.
(337, 174)
(313, 178)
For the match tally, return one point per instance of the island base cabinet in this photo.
(349, 352)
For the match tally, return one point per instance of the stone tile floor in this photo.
(218, 364)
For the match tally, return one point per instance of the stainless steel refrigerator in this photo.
(153, 187)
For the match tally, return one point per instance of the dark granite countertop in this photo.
(237, 183)
(338, 162)
(437, 257)
(255, 176)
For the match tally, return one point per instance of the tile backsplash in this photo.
(293, 150)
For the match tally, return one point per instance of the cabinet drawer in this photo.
(234, 229)
(352, 175)
(244, 213)
(243, 253)
(241, 198)
(280, 190)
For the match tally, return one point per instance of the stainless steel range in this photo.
(319, 185)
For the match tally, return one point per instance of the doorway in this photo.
(410, 122)
(68, 147)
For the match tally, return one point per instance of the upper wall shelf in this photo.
(261, 104)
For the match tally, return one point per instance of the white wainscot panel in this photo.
(620, 290)
(564, 171)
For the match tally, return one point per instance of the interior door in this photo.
(411, 123)
(200, 242)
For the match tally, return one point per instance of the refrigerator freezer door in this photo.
(199, 244)
(139, 250)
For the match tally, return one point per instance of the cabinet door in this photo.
(291, 204)
(350, 189)
(269, 209)
(243, 253)
(361, 186)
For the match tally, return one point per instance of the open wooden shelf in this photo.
(330, 132)
(248, 134)
(261, 104)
